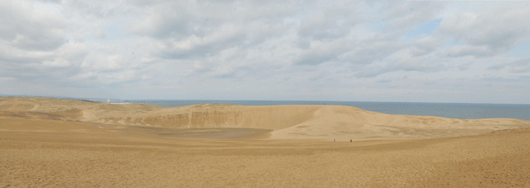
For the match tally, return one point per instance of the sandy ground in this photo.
(65, 143)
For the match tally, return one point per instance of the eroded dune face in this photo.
(286, 122)
(197, 116)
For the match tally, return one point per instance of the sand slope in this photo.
(344, 123)
(55, 154)
(65, 143)
(287, 122)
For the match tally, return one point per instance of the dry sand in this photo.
(46, 142)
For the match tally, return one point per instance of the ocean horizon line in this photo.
(251, 100)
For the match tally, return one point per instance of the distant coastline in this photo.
(448, 110)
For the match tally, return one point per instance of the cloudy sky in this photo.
(403, 51)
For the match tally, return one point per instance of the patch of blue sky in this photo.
(523, 50)
(424, 29)
(113, 33)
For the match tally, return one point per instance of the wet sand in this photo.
(43, 148)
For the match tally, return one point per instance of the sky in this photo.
(388, 51)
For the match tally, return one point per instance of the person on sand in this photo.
(350, 140)
(333, 140)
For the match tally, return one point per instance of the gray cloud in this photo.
(347, 50)
(488, 32)
(21, 29)
(404, 16)
(331, 23)
(372, 71)
(521, 65)
(321, 53)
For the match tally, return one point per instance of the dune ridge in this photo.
(285, 121)
(47, 142)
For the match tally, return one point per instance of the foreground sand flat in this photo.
(65, 143)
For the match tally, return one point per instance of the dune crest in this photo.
(344, 123)
(286, 121)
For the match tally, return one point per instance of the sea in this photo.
(448, 110)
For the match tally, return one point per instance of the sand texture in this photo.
(46, 142)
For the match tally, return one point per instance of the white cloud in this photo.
(321, 50)
(7, 78)
(99, 33)
(146, 77)
(24, 28)
(521, 65)
(57, 62)
(488, 32)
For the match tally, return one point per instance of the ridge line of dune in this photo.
(286, 121)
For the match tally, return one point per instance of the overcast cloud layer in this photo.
(417, 51)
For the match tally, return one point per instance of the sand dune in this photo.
(48, 142)
(286, 122)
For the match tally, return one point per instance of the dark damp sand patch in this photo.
(198, 133)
